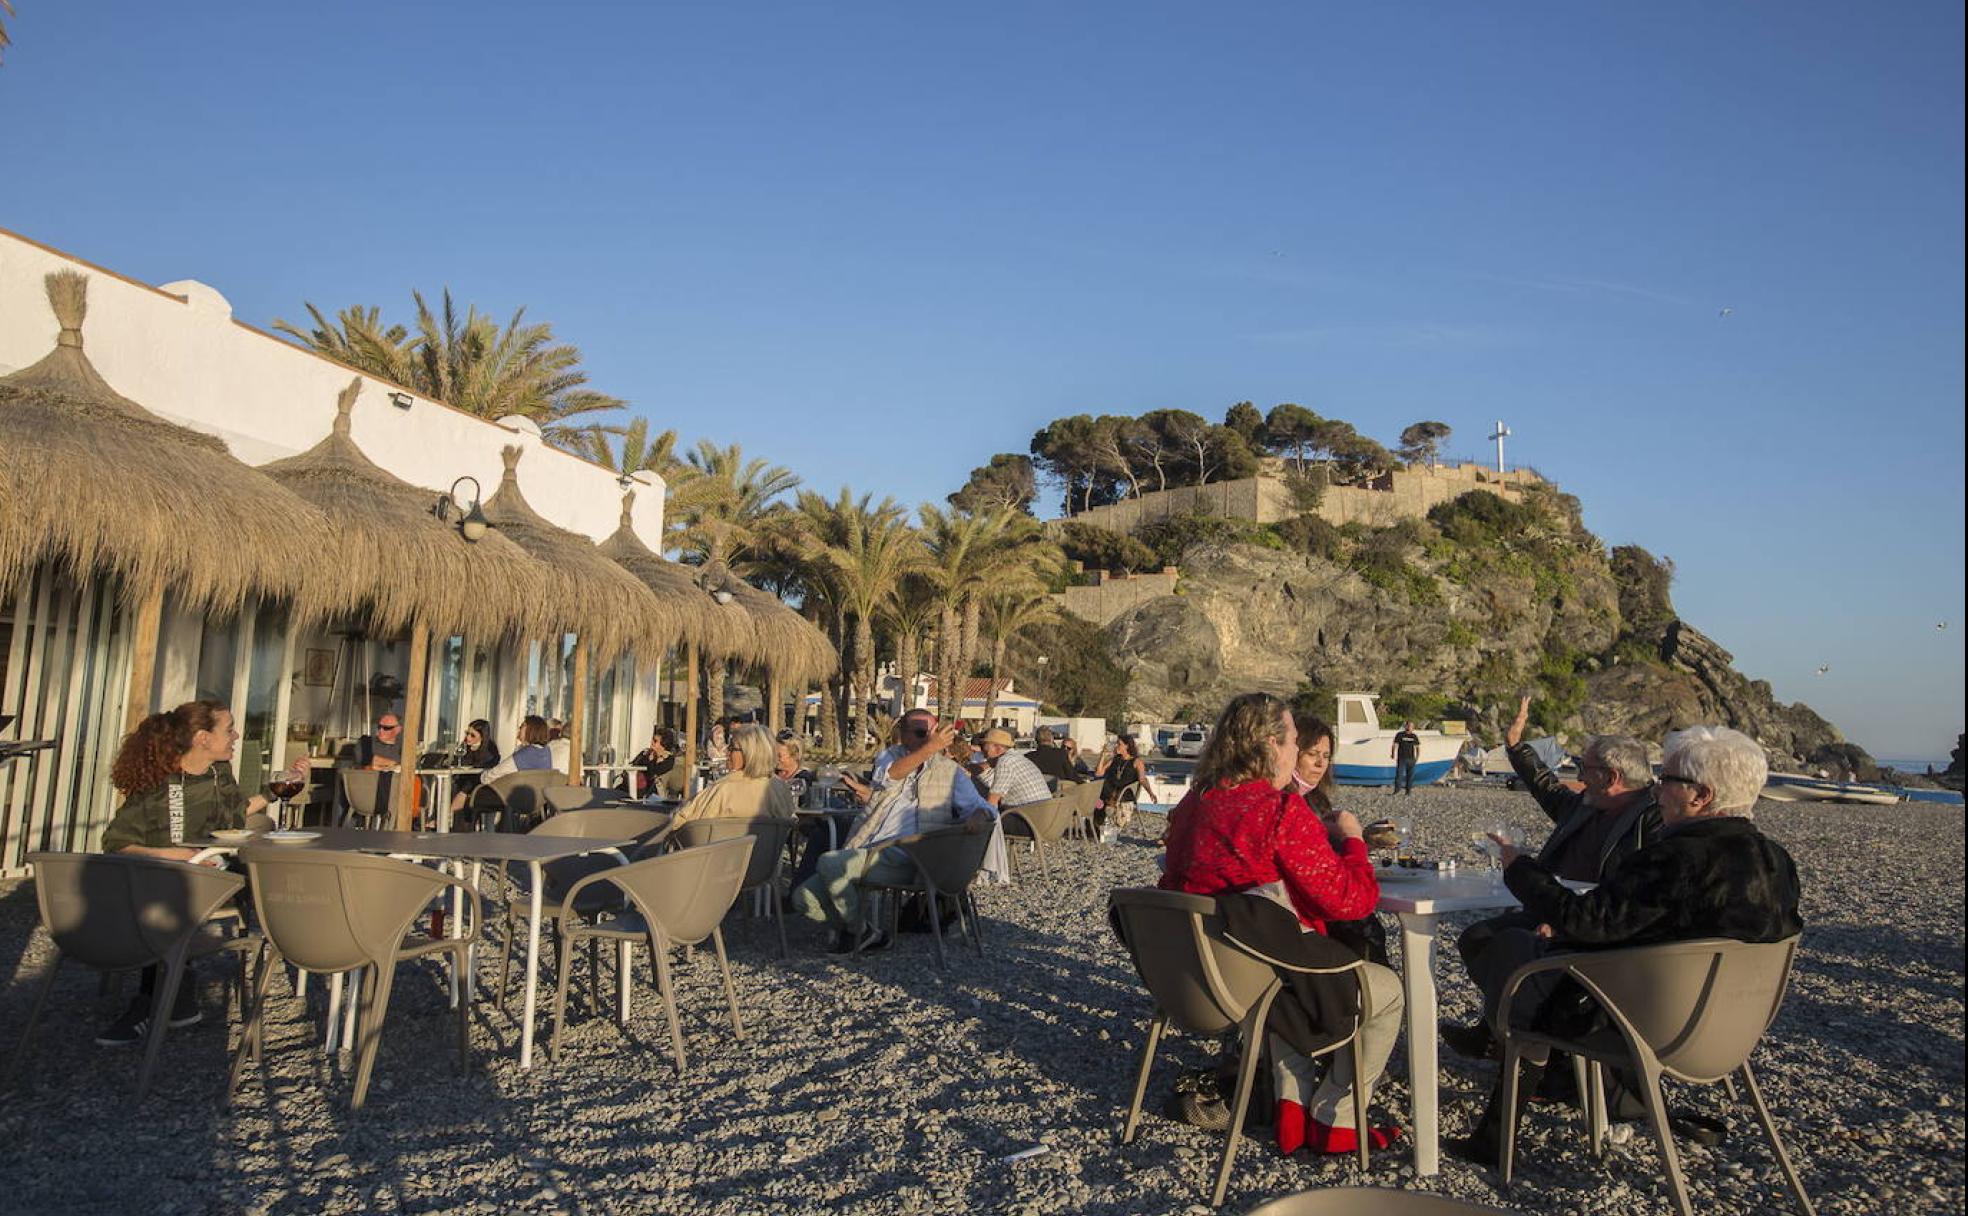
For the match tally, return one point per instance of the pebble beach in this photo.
(887, 1085)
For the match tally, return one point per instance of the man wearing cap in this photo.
(1011, 779)
(1050, 759)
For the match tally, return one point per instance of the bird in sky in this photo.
(1940, 624)
(1725, 312)
(1823, 667)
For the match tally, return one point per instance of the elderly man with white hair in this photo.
(1711, 874)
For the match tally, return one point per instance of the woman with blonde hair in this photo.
(749, 790)
(1243, 828)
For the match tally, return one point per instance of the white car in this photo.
(1189, 744)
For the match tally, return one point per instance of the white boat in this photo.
(1800, 787)
(1363, 750)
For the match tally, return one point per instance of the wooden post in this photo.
(577, 712)
(690, 718)
(143, 657)
(772, 700)
(405, 787)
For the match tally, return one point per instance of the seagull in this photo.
(1940, 624)
(1725, 312)
(1824, 668)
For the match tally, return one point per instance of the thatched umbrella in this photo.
(714, 629)
(789, 647)
(400, 562)
(101, 484)
(609, 608)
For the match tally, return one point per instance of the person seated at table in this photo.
(480, 752)
(921, 790)
(1709, 873)
(383, 750)
(789, 765)
(658, 760)
(175, 774)
(1312, 780)
(1050, 757)
(1123, 777)
(1010, 780)
(878, 775)
(559, 746)
(1242, 828)
(1597, 828)
(749, 790)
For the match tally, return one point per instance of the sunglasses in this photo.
(1678, 779)
(388, 725)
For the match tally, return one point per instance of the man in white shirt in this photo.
(917, 789)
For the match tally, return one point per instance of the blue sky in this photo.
(878, 242)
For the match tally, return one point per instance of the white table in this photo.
(1420, 897)
(440, 792)
(605, 772)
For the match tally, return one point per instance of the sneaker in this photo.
(129, 1029)
(1198, 1101)
(843, 942)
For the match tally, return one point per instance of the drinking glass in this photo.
(284, 786)
(1405, 827)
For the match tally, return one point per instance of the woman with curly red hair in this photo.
(175, 774)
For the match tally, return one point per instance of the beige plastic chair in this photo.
(1081, 800)
(1371, 1201)
(768, 858)
(117, 912)
(365, 796)
(1694, 1011)
(947, 863)
(639, 830)
(1042, 823)
(564, 798)
(1204, 984)
(327, 913)
(677, 899)
(517, 800)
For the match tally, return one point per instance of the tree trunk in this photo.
(947, 634)
(997, 665)
(906, 660)
(714, 671)
(864, 664)
(830, 735)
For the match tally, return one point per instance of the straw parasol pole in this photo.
(407, 570)
(103, 486)
(789, 647)
(607, 608)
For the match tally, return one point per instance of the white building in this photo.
(65, 644)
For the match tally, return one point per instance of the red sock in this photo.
(1323, 1139)
(1291, 1126)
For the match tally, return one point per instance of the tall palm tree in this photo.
(909, 616)
(971, 553)
(1008, 611)
(6, 7)
(866, 551)
(635, 451)
(469, 362)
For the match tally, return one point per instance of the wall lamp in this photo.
(401, 400)
(470, 521)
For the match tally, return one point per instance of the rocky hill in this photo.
(1453, 616)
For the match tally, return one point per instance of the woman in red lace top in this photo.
(1243, 827)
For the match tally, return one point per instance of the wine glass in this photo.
(1404, 827)
(284, 786)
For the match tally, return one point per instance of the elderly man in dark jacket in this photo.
(1595, 829)
(1710, 874)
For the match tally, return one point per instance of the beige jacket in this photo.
(739, 797)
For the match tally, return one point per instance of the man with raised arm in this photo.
(1615, 815)
(916, 788)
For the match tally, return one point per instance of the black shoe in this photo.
(871, 941)
(129, 1029)
(843, 942)
(1559, 1085)
(1484, 1143)
(1471, 1042)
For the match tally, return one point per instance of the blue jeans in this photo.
(1404, 777)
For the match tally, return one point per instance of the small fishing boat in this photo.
(1801, 787)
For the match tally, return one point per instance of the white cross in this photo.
(1502, 433)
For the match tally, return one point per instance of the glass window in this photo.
(218, 652)
(257, 744)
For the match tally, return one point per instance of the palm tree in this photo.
(1007, 612)
(909, 616)
(866, 551)
(970, 555)
(636, 452)
(5, 7)
(468, 362)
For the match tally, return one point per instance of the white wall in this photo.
(188, 360)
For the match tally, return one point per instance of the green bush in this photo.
(1482, 518)
(1397, 705)
(1312, 536)
(1172, 537)
(1459, 634)
(1105, 549)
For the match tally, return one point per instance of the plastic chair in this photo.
(768, 857)
(635, 829)
(1694, 1011)
(117, 912)
(1205, 984)
(518, 800)
(1080, 800)
(1041, 823)
(1371, 1201)
(365, 795)
(946, 864)
(328, 912)
(678, 899)
(564, 798)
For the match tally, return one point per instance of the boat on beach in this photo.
(1800, 787)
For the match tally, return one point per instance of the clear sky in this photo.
(878, 242)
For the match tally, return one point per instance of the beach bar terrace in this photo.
(191, 507)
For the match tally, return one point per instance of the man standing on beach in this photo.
(1406, 750)
(1614, 816)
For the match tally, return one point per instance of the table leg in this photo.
(532, 963)
(441, 794)
(1418, 935)
(354, 995)
(455, 869)
(624, 957)
(334, 1034)
(471, 952)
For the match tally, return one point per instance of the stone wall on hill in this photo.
(1402, 494)
(1107, 596)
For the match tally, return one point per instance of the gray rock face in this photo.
(1249, 618)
